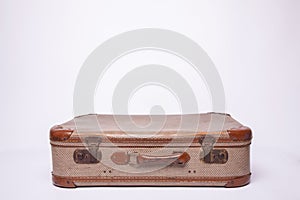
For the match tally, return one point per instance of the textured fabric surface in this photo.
(168, 123)
(237, 164)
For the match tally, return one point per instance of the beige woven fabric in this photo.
(237, 164)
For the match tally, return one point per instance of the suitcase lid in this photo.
(151, 128)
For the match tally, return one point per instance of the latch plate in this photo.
(211, 155)
(217, 156)
(91, 155)
(83, 156)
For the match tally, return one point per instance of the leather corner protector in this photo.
(239, 181)
(59, 133)
(62, 182)
(243, 133)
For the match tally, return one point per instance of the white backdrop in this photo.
(255, 46)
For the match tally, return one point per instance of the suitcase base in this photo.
(73, 182)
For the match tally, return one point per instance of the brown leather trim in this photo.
(234, 136)
(239, 181)
(59, 133)
(147, 146)
(242, 133)
(69, 182)
(63, 181)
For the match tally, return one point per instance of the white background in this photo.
(255, 46)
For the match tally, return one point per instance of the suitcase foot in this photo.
(239, 182)
(63, 182)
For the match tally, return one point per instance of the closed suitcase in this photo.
(209, 149)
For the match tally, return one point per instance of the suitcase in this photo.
(210, 149)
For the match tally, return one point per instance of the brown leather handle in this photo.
(177, 158)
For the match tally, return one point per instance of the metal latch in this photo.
(211, 155)
(91, 155)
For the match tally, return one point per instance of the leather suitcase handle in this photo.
(177, 159)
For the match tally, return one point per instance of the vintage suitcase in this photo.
(209, 149)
